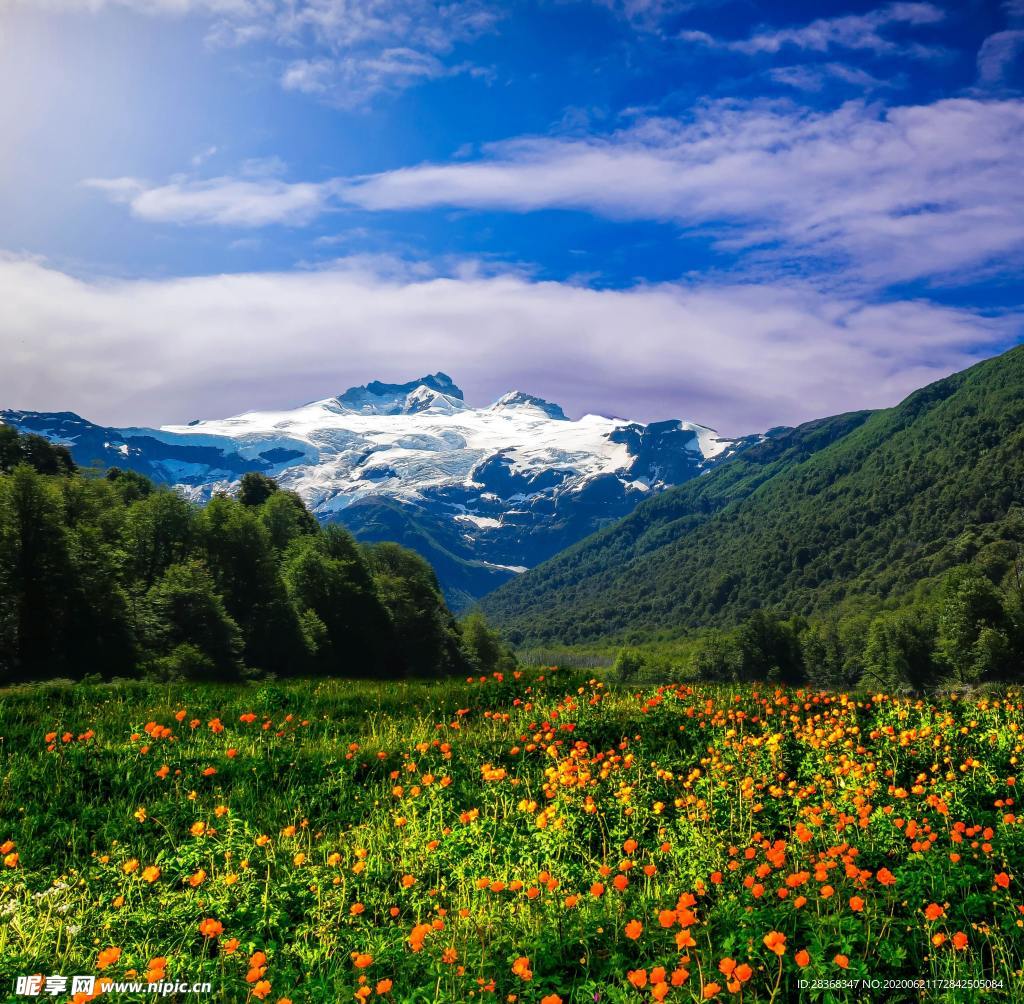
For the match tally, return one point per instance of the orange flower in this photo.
(933, 911)
(727, 966)
(959, 941)
(262, 989)
(634, 929)
(743, 972)
(856, 904)
(939, 939)
(886, 877)
(842, 961)
(521, 968)
(108, 957)
(151, 874)
(711, 990)
(638, 977)
(684, 939)
(230, 946)
(210, 928)
(802, 958)
(417, 936)
(383, 986)
(197, 878)
(551, 999)
(775, 942)
(1003, 880)
(361, 960)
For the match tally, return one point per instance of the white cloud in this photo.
(997, 55)
(344, 51)
(739, 357)
(354, 81)
(238, 202)
(812, 77)
(885, 194)
(896, 193)
(650, 15)
(850, 31)
(204, 155)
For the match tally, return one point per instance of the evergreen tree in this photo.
(426, 636)
(824, 656)
(286, 518)
(326, 576)
(898, 653)
(40, 574)
(972, 642)
(240, 556)
(254, 489)
(484, 646)
(717, 657)
(159, 531)
(130, 485)
(187, 626)
(627, 665)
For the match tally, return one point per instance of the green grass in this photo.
(489, 810)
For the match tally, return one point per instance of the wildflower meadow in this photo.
(530, 837)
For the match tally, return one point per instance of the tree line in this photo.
(969, 631)
(109, 575)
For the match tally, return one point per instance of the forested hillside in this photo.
(868, 508)
(113, 576)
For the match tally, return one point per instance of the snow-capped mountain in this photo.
(483, 493)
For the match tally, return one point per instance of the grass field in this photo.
(535, 838)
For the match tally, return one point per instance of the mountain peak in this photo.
(435, 391)
(519, 399)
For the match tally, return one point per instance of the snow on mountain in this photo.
(483, 492)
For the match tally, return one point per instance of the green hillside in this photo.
(871, 504)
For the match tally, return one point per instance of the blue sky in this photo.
(745, 213)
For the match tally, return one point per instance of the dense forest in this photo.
(839, 522)
(968, 631)
(108, 575)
